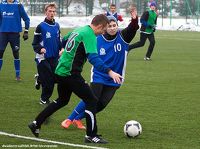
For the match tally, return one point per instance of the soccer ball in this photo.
(132, 129)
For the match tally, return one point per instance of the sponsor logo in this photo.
(8, 13)
(48, 35)
(102, 51)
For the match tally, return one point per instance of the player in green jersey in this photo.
(79, 45)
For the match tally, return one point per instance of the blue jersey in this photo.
(114, 55)
(114, 15)
(50, 39)
(10, 17)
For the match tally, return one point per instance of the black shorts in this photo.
(12, 38)
(103, 92)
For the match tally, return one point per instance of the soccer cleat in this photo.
(18, 78)
(147, 59)
(79, 124)
(42, 102)
(37, 82)
(66, 123)
(95, 139)
(34, 129)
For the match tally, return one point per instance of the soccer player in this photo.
(47, 45)
(80, 45)
(11, 13)
(112, 49)
(148, 21)
(114, 13)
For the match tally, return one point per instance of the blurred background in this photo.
(168, 9)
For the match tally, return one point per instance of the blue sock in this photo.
(1, 63)
(80, 116)
(80, 108)
(17, 67)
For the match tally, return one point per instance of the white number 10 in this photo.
(117, 47)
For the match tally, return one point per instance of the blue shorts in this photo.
(12, 38)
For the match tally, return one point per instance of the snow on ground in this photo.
(162, 24)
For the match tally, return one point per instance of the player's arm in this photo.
(119, 17)
(144, 18)
(129, 32)
(94, 59)
(60, 39)
(36, 40)
(25, 17)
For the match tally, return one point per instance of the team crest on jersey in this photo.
(48, 35)
(102, 51)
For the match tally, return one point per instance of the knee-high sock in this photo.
(1, 63)
(78, 112)
(17, 67)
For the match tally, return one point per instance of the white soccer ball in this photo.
(132, 129)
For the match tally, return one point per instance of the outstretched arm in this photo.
(129, 32)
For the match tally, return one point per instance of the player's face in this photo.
(112, 9)
(112, 28)
(101, 29)
(153, 8)
(50, 13)
(10, 1)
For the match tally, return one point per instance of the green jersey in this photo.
(150, 17)
(80, 42)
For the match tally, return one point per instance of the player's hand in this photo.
(117, 78)
(43, 50)
(61, 51)
(25, 35)
(133, 12)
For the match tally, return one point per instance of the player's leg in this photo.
(143, 38)
(64, 93)
(151, 39)
(3, 44)
(14, 40)
(47, 81)
(83, 90)
(105, 96)
(75, 117)
(37, 77)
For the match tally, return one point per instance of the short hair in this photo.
(50, 5)
(100, 19)
(112, 5)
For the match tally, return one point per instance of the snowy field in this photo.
(73, 22)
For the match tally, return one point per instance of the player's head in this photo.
(99, 24)
(112, 26)
(132, 7)
(50, 11)
(112, 8)
(10, 1)
(153, 5)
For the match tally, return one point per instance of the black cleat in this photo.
(147, 59)
(34, 129)
(42, 102)
(95, 139)
(37, 82)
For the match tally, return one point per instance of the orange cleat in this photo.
(66, 123)
(79, 124)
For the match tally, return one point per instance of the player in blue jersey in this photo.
(113, 50)
(47, 45)
(11, 13)
(114, 13)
